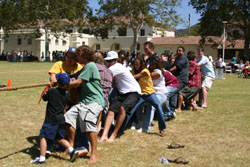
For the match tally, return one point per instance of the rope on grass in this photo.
(22, 87)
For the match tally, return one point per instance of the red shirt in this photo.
(170, 79)
(194, 74)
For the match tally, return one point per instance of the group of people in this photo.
(18, 56)
(89, 88)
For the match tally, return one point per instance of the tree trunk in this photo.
(134, 49)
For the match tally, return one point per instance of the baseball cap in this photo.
(63, 78)
(111, 55)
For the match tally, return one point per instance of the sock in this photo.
(70, 149)
(42, 158)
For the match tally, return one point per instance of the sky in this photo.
(184, 10)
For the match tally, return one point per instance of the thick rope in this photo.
(22, 87)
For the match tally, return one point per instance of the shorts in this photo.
(128, 101)
(207, 82)
(189, 92)
(86, 114)
(52, 132)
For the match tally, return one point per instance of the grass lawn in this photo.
(216, 136)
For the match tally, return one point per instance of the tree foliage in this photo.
(213, 12)
(134, 14)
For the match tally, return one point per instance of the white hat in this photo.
(111, 55)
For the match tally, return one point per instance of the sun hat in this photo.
(111, 55)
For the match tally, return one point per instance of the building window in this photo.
(142, 32)
(29, 41)
(64, 42)
(83, 43)
(85, 31)
(69, 31)
(97, 47)
(19, 41)
(56, 41)
(138, 46)
(122, 31)
(117, 46)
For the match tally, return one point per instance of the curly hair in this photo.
(85, 51)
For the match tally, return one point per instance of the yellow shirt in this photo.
(146, 83)
(62, 67)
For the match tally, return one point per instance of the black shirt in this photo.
(182, 68)
(57, 99)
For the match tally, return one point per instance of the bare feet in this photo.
(162, 133)
(103, 139)
(204, 106)
(111, 139)
(177, 110)
(82, 152)
(93, 159)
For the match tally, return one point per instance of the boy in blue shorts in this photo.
(53, 127)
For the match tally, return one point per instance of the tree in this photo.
(134, 14)
(51, 15)
(213, 12)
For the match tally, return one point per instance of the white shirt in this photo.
(159, 83)
(124, 80)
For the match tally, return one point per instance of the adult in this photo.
(219, 67)
(180, 69)
(207, 76)
(190, 91)
(149, 52)
(129, 94)
(69, 66)
(91, 102)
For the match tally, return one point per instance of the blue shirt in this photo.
(206, 67)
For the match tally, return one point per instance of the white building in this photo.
(24, 40)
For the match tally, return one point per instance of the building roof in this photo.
(187, 40)
(235, 44)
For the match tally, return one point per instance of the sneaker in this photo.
(37, 161)
(73, 155)
(142, 130)
(133, 126)
(170, 117)
(47, 154)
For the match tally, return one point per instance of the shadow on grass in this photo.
(33, 151)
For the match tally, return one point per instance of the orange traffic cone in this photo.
(9, 83)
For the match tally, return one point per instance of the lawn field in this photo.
(213, 137)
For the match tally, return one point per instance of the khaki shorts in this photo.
(207, 82)
(84, 114)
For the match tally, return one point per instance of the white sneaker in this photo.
(133, 126)
(142, 130)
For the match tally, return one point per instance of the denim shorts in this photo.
(52, 132)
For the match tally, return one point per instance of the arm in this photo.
(173, 69)
(140, 75)
(76, 82)
(200, 63)
(155, 75)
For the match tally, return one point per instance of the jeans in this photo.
(171, 102)
(219, 73)
(153, 100)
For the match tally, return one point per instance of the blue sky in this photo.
(183, 11)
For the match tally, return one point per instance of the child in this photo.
(54, 124)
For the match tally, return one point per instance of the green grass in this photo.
(216, 136)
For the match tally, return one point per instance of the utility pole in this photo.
(224, 39)
(189, 18)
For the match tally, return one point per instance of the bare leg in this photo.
(93, 141)
(99, 125)
(43, 146)
(180, 100)
(108, 122)
(119, 121)
(204, 91)
(71, 134)
(64, 143)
